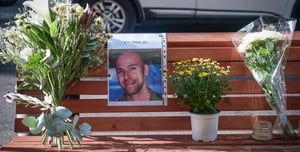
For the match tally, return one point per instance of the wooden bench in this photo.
(168, 126)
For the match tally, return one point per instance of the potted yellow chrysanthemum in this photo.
(200, 84)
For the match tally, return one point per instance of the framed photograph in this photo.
(135, 62)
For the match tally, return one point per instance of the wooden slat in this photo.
(202, 40)
(227, 104)
(238, 87)
(176, 143)
(100, 87)
(238, 67)
(215, 39)
(166, 123)
(217, 53)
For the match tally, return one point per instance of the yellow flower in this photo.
(223, 72)
(195, 59)
(177, 63)
(189, 72)
(181, 73)
(203, 74)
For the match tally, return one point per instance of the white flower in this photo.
(61, 9)
(41, 7)
(99, 21)
(13, 36)
(25, 53)
(78, 10)
(251, 37)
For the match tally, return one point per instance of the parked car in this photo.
(7, 2)
(124, 15)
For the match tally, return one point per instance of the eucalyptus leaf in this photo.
(29, 121)
(75, 120)
(62, 113)
(58, 127)
(75, 133)
(85, 129)
(36, 130)
(41, 121)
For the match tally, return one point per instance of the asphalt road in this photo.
(7, 71)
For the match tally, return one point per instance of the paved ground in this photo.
(7, 110)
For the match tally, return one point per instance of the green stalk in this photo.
(70, 139)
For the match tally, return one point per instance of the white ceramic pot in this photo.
(204, 126)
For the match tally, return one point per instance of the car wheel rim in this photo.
(112, 14)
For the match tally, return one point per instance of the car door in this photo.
(169, 8)
(243, 8)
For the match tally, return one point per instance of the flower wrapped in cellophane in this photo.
(263, 44)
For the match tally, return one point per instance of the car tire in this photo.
(7, 2)
(118, 15)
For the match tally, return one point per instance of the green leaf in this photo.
(35, 131)
(62, 112)
(85, 129)
(29, 121)
(53, 28)
(58, 127)
(41, 121)
(75, 120)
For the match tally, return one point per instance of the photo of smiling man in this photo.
(134, 68)
(135, 76)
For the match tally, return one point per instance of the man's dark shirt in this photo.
(153, 96)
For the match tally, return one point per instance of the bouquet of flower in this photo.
(53, 43)
(263, 45)
(199, 83)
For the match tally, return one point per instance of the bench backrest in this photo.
(240, 107)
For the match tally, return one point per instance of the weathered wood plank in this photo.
(182, 143)
(162, 123)
(228, 104)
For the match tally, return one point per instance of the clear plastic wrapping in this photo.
(263, 45)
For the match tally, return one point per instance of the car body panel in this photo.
(169, 8)
(217, 11)
(243, 8)
(216, 8)
(181, 4)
